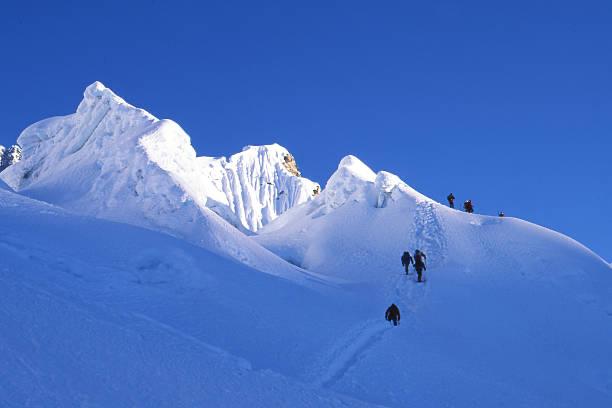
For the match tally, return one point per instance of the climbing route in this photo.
(348, 351)
(429, 232)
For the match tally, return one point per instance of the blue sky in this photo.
(507, 103)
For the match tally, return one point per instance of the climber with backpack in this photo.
(468, 207)
(451, 200)
(406, 261)
(419, 264)
(393, 314)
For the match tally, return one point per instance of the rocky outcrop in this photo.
(9, 156)
(291, 165)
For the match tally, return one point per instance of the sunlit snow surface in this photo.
(187, 307)
(100, 314)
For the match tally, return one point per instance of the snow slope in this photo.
(155, 296)
(100, 314)
(512, 314)
(114, 161)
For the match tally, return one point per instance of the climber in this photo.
(393, 314)
(419, 264)
(468, 207)
(451, 200)
(406, 261)
(501, 214)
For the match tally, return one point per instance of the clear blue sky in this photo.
(508, 103)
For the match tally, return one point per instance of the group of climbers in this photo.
(393, 314)
(467, 205)
(418, 261)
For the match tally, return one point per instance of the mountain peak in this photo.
(352, 165)
(96, 88)
(98, 92)
(274, 147)
(352, 180)
(110, 153)
(98, 97)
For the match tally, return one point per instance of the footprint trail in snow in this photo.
(354, 346)
(429, 232)
(348, 351)
(429, 237)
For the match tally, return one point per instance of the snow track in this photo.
(429, 232)
(429, 238)
(352, 348)
(240, 362)
(348, 351)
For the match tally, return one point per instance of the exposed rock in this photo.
(9, 156)
(291, 165)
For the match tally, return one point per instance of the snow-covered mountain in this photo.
(114, 161)
(511, 314)
(9, 156)
(99, 313)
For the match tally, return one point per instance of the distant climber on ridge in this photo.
(419, 264)
(406, 261)
(468, 207)
(451, 200)
(501, 214)
(393, 314)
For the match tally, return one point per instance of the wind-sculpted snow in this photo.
(255, 185)
(114, 161)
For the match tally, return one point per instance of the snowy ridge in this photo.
(353, 198)
(248, 190)
(503, 304)
(114, 161)
(391, 212)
